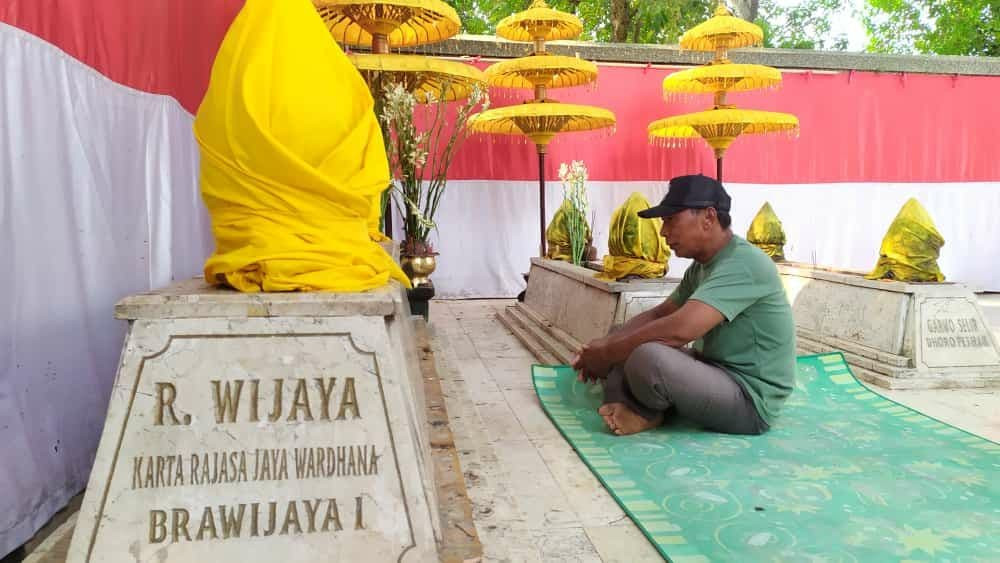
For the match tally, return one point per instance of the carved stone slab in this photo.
(261, 436)
(565, 305)
(894, 334)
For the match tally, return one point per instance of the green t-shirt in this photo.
(756, 341)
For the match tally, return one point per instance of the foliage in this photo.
(947, 27)
(574, 182)
(420, 156)
(943, 27)
(634, 21)
(803, 26)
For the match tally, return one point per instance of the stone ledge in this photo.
(489, 46)
(890, 360)
(909, 381)
(194, 298)
(857, 279)
(459, 538)
(587, 276)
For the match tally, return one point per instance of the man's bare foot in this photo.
(606, 411)
(624, 421)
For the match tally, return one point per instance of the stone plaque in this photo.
(953, 333)
(257, 439)
(894, 334)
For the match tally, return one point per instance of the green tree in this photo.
(803, 26)
(943, 27)
(634, 21)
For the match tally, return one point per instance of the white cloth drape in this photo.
(488, 230)
(98, 200)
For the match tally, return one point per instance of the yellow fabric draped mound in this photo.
(557, 235)
(292, 159)
(910, 249)
(635, 247)
(767, 234)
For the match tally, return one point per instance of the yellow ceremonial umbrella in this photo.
(382, 24)
(541, 118)
(540, 122)
(541, 71)
(720, 127)
(427, 78)
(722, 31)
(540, 23)
(722, 76)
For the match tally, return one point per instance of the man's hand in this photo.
(591, 362)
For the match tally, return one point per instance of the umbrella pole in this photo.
(380, 45)
(541, 199)
(718, 169)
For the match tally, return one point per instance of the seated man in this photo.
(731, 304)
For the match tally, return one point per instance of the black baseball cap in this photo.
(695, 191)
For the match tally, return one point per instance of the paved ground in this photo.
(533, 499)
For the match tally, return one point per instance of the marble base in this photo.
(565, 305)
(391, 248)
(894, 334)
(263, 427)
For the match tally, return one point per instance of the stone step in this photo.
(561, 336)
(557, 349)
(856, 360)
(521, 333)
(878, 356)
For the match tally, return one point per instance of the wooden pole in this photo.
(541, 199)
(380, 45)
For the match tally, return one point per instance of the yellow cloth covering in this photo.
(910, 249)
(766, 233)
(292, 159)
(635, 246)
(557, 234)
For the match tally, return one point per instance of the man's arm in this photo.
(668, 307)
(689, 322)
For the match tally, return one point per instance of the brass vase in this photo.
(419, 268)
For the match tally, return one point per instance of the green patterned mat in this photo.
(844, 475)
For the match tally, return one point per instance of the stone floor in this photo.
(533, 499)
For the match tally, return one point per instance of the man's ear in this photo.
(712, 213)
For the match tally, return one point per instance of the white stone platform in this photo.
(894, 334)
(897, 335)
(262, 427)
(565, 305)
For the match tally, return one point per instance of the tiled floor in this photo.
(533, 499)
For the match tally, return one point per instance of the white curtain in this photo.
(98, 200)
(488, 230)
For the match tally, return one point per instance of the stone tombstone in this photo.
(565, 306)
(897, 335)
(262, 427)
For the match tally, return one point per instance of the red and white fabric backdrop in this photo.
(100, 198)
(869, 142)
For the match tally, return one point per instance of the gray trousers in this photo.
(657, 377)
